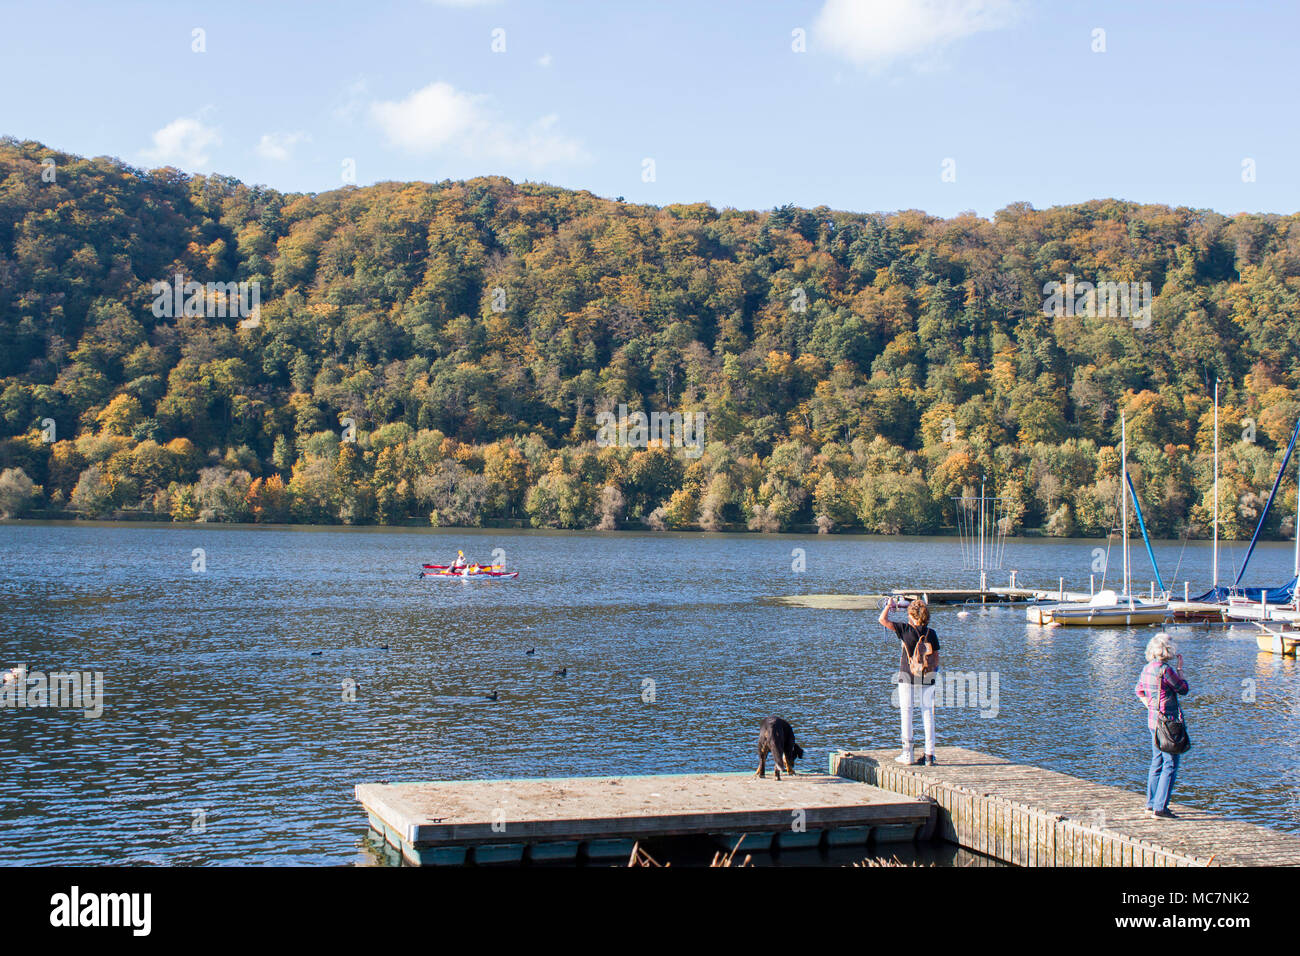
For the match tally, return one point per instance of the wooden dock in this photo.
(1197, 612)
(834, 602)
(599, 818)
(934, 596)
(1028, 816)
(1013, 812)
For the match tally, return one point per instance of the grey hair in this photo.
(1161, 647)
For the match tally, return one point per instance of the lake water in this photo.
(226, 738)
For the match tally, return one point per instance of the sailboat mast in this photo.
(1123, 500)
(1297, 520)
(1216, 487)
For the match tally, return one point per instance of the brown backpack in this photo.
(920, 654)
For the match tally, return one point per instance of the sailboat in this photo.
(1276, 614)
(1252, 602)
(1106, 608)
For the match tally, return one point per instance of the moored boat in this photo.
(1277, 637)
(1238, 601)
(1106, 609)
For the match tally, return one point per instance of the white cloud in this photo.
(430, 118)
(874, 33)
(441, 118)
(184, 143)
(544, 60)
(279, 146)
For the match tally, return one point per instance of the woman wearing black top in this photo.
(916, 630)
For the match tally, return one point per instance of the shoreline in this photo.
(520, 525)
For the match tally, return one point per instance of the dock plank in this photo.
(551, 810)
(985, 802)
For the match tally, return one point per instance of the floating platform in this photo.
(1029, 816)
(600, 818)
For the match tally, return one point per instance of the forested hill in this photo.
(854, 370)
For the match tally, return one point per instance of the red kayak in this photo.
(471, 571)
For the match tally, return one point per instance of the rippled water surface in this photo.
(223, 688)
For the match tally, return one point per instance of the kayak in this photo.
(471, 572)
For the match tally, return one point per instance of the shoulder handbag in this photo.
(1171, 733)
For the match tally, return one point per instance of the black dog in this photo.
(777, 737)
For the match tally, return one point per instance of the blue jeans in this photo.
(1160, 778)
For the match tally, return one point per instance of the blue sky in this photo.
(713, 91)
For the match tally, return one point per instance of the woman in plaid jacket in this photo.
(1158, 687)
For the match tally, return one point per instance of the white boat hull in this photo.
(1088, 615)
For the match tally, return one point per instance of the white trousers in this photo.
(906, 693)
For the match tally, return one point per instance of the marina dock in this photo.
(600, 818)
(1029, 816)
(1179, 612)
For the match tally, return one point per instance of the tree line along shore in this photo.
(444, 353)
